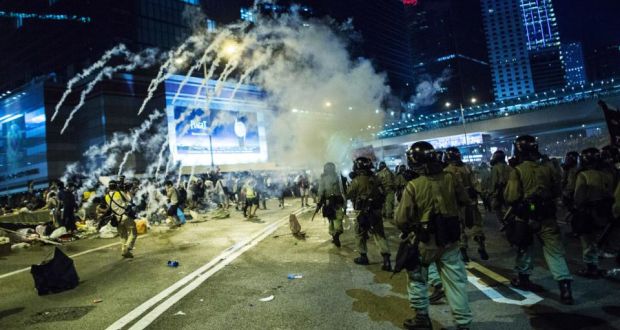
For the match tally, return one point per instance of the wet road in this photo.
(228, 266)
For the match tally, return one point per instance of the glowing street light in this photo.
(448, 104)
(474, 100)
(328, 104)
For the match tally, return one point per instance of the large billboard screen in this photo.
(226, 129)
(23, 148)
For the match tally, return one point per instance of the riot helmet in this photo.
(590, 158)
(452, 155)
(329, 168)
(362, 164)
(382, 165)
(610, 154)
(571, 159)
(526, 148)
(499, 156)
(113, 185)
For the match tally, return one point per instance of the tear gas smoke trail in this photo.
(205, 57)
(191, 176)
(135, 137)
(143, 60)
(262, 60)
(118, 50)
(161, 154)
(161, 76)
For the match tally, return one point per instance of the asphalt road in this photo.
(228, 266)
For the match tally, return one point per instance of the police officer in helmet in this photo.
(368, 195)
(532, 190)
(593, 200)
(500, 172)
(471, 219)
(429, 209)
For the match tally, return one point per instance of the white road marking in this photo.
(530, 297)
(193, 280)
(71, 256)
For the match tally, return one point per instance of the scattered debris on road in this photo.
(180, 313)
(294, 276)
(96, 301)
(266, 299)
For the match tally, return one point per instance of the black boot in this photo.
(419, 322)
(522, 282)
(336, 239)
(387, 266)
(566, 294)
(591, 271)
(464, 255)
(437, 295)
(362, 259)
(481, 248)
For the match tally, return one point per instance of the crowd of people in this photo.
(434, 202)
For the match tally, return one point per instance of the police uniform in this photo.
(331, 193)
(367, 195)
(593, 200)
(435, 194)
(500, 173)
(389, 185)
(471, 219)
(532, 181)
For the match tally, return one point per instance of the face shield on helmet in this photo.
(526, 148)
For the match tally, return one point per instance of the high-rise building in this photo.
(604, 63)
(574, 62)
(524, 47)
(59, 38)
(448, 43)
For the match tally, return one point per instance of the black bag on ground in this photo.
(55, 275)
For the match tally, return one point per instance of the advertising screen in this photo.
(232, 137)
(227, 127)
(13, 133)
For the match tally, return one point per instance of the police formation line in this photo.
(437, 212)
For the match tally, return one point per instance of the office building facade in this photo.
(448, 43)
(575, 63)
(524, 47)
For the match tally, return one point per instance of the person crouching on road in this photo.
(429, 209)
(173, 204)
(120, 205)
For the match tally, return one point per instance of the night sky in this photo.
(596, 23)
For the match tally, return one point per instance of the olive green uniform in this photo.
(593, 190)
(529, 179)
(331, 190)
(360, 189)
(423, 197)
(569, 179)
(500, 173)
(388, 181)
(465, 178)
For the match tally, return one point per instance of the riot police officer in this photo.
(569, 174)
(531, 191)
(331, 199)
(471, 219)
(500, 172)
(593, 200)
(388, 182)
(368, 197)
(429, 209)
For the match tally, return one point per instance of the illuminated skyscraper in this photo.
(524, 47)
(575, 64)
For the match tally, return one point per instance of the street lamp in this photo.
(448, 105)
(474, 100)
